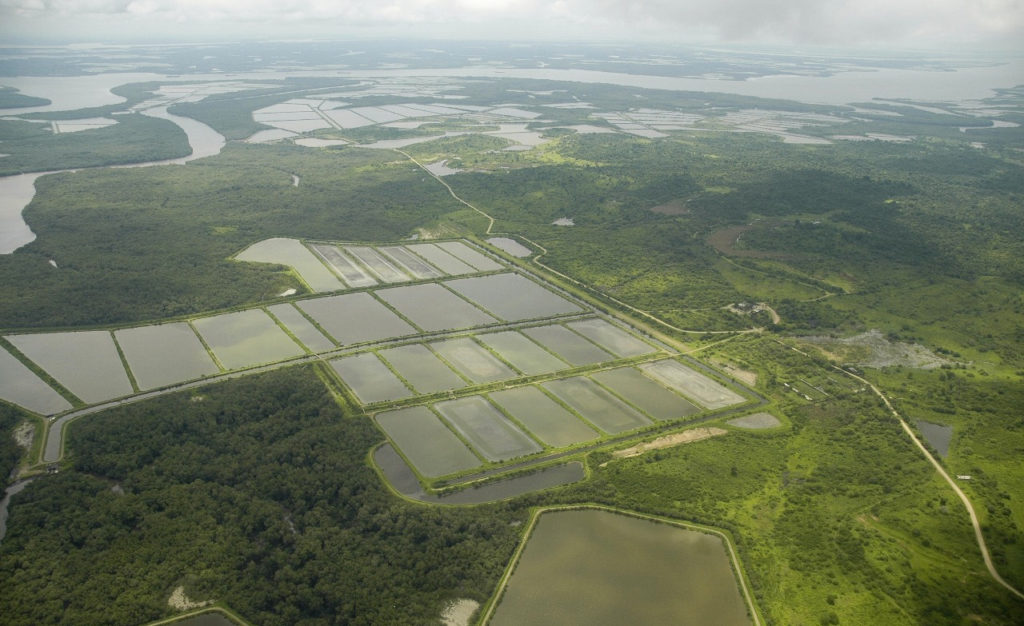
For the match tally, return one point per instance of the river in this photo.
(965, 84)
(16, 192)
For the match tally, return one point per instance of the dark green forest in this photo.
(255, 492)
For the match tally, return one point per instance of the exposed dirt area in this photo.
(675, 439)
(459, 612)
(727, 241)
(873, 349)
(24, 434)
(676, 207)
(181, 602)
(742, 375)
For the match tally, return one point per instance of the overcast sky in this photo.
(945, 24)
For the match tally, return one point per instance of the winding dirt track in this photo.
(942, 472)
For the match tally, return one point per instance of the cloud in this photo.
(834, 22)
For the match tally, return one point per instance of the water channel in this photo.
(16, 192)
(12, 490)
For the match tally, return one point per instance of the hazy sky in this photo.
(944, 24)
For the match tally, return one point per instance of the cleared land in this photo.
(85, 362)
(611, 337)
(302, 328)
(645, 394)
(430, 446)
(464, 253)
(755, 421)
(571, 347)
(473, 361)
(353, 275)
(19, 385)
(668, 441)
(432, 307)
(422, 369)
(292, 253)
(573, 571)
(441, 259)
(246, 338)
(525, 355)
(692, 384)
(486, 429)
(164, 354)
(369, 379)
(542, 416)
(596, 404)
(513, 297)
(355, 318)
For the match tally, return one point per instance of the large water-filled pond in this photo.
(598, 567)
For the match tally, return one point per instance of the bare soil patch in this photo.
(675, 207)
(675, 439)
(726, 241)
(873, 349)
(459, 612)
(181, 602)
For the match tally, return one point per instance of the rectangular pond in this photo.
(486, 429)
(246, 338)
(414, 265)
(165, 354)
(441, 259)
(423, 438)
(355, 318)
(353, 274)
(369, 379)
(86, 362)
(422, 369)
(473, 257)
(432, 307)
(598, 567)
(596, 404)
(571, 347)
(546, 419)
(302, 328)
(472, 360)
(19, 385)
(611, 337)
(292, 253)
(692, 384)
(645, 394)
(383, 267)
(513, 297)
(525, 355)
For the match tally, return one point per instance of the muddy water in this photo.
(575, 569)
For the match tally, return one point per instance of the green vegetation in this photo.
(10, 98)
(10, 451)
(258, 495)
(117, 235)
(254, 492)
(135, 138)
